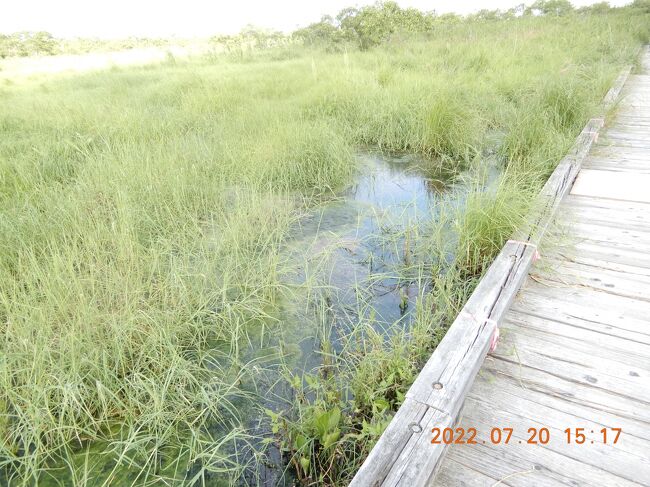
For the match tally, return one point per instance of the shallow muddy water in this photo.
(359, 238)
(353, 262)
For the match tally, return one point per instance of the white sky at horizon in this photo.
(198, 18)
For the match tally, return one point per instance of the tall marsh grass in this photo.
(144, 210)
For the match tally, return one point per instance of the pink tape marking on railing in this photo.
(494, 340)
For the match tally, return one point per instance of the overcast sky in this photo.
(196, 18)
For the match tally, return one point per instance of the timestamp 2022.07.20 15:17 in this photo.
(532, 436)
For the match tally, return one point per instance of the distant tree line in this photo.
(21, 44)
(252, 37)
(28, 44)
(371, 25)
(364, 27)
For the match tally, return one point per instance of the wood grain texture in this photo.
(576, 341)
(628, 186)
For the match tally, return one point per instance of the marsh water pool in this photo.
(352, 245)
(352, 260)
(355, 263)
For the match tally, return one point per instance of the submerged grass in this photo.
(144, 212)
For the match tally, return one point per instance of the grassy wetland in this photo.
(168, 302)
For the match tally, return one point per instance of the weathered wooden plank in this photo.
(606, 242)
(636, 212)
(588, 267)
(631, 121)
(637, 134)
(611, 216)
(591, 304)
(570, 274)
(640, 134)
(539, 351)
(578, 392)
(636, 239)
(617, 153)
(508, 467)
(529, 465)
(603, 260)
(608, 184)
(614, 132)
(607, 217)
(622, 116)
(630, 143)
(627, 143)
(610, 151)
(636, 102)
(456, 474)
(585, 250)
(628, 465)
(616, 160)
(589, 339)
(628, 133)
(414, 465)
(581, 318)
(530, 403)
(627, 207)
(632, 102)
(622, 168)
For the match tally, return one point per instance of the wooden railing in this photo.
(404, 455)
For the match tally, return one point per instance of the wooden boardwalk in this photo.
(575, 344)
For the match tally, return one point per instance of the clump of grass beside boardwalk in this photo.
(144, 210)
